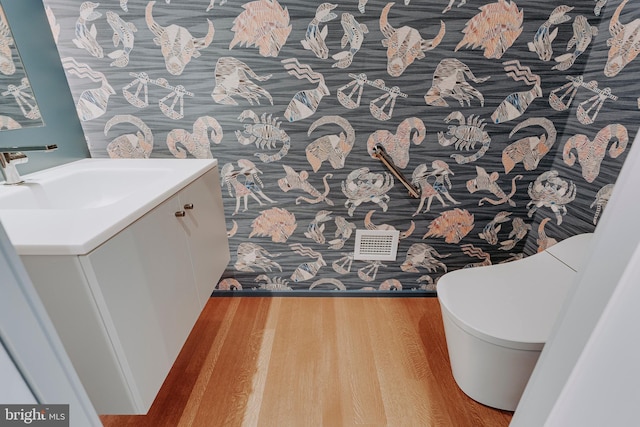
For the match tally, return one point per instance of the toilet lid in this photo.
(513, 305)
(572, 251)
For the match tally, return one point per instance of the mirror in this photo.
(18, 106)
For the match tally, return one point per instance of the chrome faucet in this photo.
(10, 157)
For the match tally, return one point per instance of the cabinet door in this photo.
(144, 286)
(204, 225)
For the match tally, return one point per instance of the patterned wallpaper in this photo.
(511, 118)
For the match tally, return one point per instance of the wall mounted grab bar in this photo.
(380, 153)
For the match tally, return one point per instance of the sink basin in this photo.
(73, 208)
(79, 188)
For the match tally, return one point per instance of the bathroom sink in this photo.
(79, 188)
(73, 208)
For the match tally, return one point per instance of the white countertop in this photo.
(77, 230)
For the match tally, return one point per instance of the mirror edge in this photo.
(10, 106)
(40, 57)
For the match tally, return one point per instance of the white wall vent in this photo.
(374, 245)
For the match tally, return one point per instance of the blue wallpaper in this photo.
(512, 119)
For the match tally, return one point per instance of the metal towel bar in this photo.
(380, 153)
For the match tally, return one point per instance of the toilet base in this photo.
(488, 373)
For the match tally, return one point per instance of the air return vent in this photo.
(379, 245)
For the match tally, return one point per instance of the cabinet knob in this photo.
(180, 213)
(188, 206)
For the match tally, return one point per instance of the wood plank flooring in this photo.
(315, 361)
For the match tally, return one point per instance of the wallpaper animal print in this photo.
(511, 119)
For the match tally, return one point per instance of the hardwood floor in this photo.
(315, 361)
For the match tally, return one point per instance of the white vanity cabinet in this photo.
(125, 309)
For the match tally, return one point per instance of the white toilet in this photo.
(498, 318)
